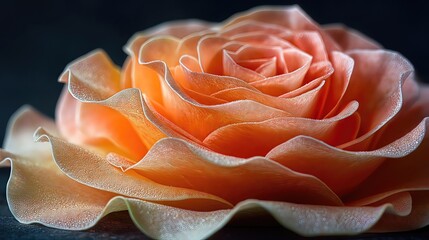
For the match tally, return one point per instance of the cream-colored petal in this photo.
(37, 191)
(79, 164)
(94, 71)
(308, 220)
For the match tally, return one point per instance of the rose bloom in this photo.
(265, 113)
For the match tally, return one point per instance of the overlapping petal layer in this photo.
(265, 114)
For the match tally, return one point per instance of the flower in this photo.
(318, 126)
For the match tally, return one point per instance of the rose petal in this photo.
(299, 106)
(205, 83)
(128, 102)
(78, 163)
(199, 120)
(97, 126)
(261, 137)
(415, 107)
(306, 220)
(349, 39)
(210, 53)
(160, 48)
(102, 77)
(389, 177)
(311, 43)
(36, 189)
(174, 162)
(298, 64)
(418, 218)
(354, 167)
(382, 72)
(178, 29)
(253, 27)
(291, 18)
(338, 82)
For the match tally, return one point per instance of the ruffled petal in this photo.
(376, 83)
(258, 138)
(174, 162)
(349, 39)
(199, 120)
(177, 29)
(389, 177)
(79, 164)
(37, 191)
(343, 170)
(292, 18)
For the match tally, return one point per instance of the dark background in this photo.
(38, 38)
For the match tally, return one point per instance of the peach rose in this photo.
(268, 112)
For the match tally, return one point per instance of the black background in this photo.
(38, 38)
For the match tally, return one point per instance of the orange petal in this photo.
(349, 39)
(258, 138)
(160, 48)
(338, 82)
(415, 108)
(297, 63)
(343, 170)
(311, 43)
(177, 29)
(78, 163)
(302, 105)
(292, 18)
(245, 27)
(418, 218)
(192, 78)
(199, 120)
(178, 163)
(389, 177)
(97, 126)
(379, 75)
(38, 192)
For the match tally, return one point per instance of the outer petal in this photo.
(128, 102)
(376, 83)
(349, 39)
(178, 29)
(292, 18)
(175, 162)
(308, 220)
(37, 190)
(389, 177)
(343, 170)
(79, 164)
